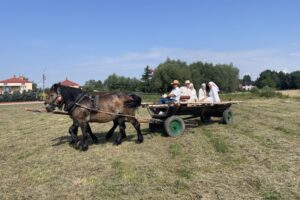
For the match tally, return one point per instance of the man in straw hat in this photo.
(173, 96)
(185, 90)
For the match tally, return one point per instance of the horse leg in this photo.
(111, 131)
(73, 132)
(137, 126)
(121, 122)
(94, 137)
(83, 145)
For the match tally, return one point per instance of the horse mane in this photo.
(69, 94)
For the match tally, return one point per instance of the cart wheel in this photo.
(174, 126)
(227, 117)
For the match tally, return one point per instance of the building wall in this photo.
(15, 87)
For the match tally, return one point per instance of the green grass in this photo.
(217, 141)
(255, 158)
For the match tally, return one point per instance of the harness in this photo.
(95, 108)
(94, 100)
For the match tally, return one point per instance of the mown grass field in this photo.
(258, 157)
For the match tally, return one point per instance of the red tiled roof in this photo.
(15, 80)
(69, 83)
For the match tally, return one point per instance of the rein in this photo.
(105, 112)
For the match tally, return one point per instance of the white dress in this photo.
(202, 94)
(214, 95)
(193, 95)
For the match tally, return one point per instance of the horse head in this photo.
(54, 98)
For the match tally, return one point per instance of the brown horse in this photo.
(116, 107)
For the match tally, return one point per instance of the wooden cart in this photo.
(172, 118)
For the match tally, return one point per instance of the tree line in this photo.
(226, 76)
(158, 80)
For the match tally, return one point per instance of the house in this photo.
(247, 87)
(69, 83)
(14, 83)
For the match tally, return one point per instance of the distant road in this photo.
(20, 103)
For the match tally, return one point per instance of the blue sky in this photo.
(89, 39)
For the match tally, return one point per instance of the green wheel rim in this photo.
(175, 127)
(229, 117)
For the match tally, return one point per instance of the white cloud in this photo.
(248, 61)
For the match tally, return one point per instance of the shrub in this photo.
(269, 92)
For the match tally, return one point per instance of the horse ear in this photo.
(55, 86)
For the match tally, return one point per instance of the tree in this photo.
(146, 79)
(93, 85)
(284, 80)
(224, 75)
(168, 71)
(247, 80)
(295, 80)
(268, 78)
(114, 82)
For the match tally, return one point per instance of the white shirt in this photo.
(176, 92)
(184, 91)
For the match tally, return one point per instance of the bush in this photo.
(269, 92)
(17, 96)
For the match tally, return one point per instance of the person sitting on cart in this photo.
(185, 90)
(213, 93)
(193, 93)
(202, 92)
(173, 96)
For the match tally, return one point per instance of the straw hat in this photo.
(187, 82)
(175, 82)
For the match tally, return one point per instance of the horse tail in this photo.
(134, 101)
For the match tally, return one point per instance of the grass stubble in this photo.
(255, 158)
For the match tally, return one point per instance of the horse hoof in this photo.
(139, 141)
(83, 148)
(77, 145)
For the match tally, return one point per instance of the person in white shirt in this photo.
(213, 93)
(185, 90)
(173, 96)
(202, 92)
(193, 93)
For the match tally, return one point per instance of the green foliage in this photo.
(17, 96)
(167, 72)
(247, 80)
(268, 78)
(225, 76)
(295, 80)
(93, 85)
(279, 80)
(269, 92)
(114, 82)
(146, 85)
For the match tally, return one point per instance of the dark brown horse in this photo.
(116, 107)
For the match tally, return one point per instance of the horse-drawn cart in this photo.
(172, 118)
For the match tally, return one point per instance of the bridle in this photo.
(58, 101)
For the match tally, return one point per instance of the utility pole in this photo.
(44, 79)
